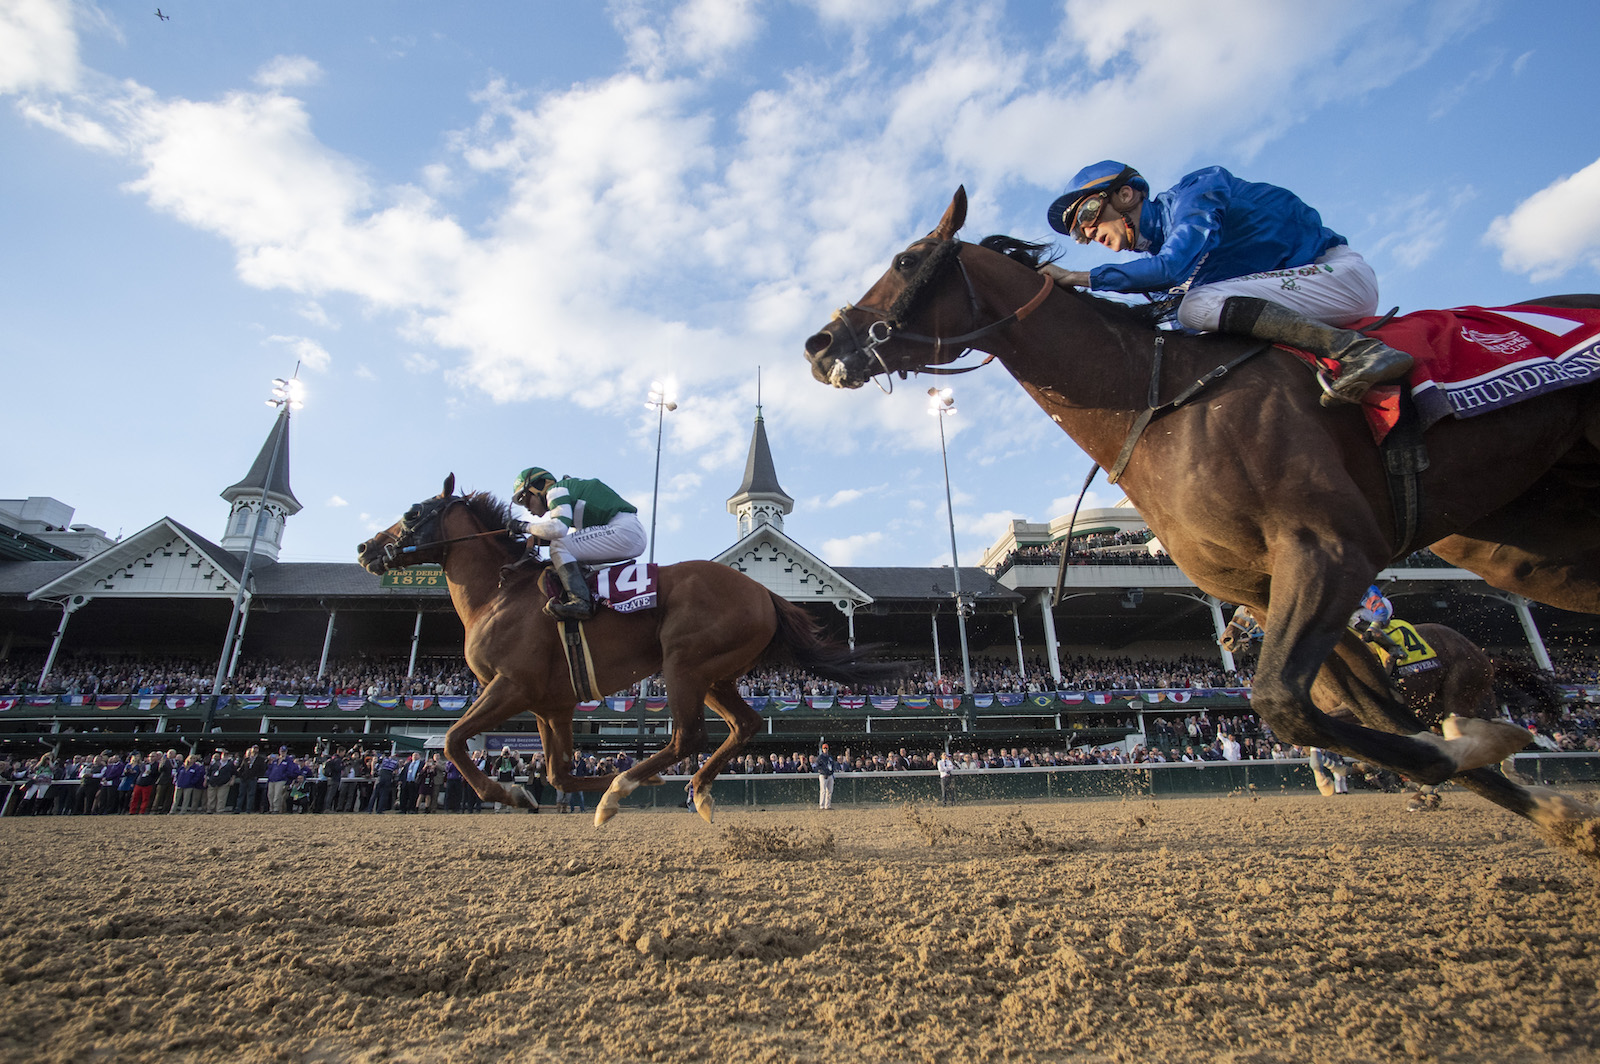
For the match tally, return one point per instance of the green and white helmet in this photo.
(531, 477)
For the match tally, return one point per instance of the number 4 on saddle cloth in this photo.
(626, 587)
(1471, 360)
(1418, 656)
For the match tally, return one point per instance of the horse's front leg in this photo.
(499, 701)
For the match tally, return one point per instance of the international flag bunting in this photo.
(784, 705)
(983, 701)
(1152, 696)
(1180, 697)
(1012, 698)
(1042, 700)
(819, 701)
(852, 701)
(949, 702)
(386, 703)
(655, 703)
(1071, 698)
(1100, 698)
(885, 702)
(77, 700)
(1236, 692)
(351, 703)
(919, 702)
(110, 701)
(147, 702)
(317, 702)
(620, 704)
(415, 702)
(41, 700)
(250, 701)
(759, 703)
(452, 702)
(181, 701)
(589, 707)
(284, 701)
(7, 701)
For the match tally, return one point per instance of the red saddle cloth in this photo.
(1471, 360)
(626, 587)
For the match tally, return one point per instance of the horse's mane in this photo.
(1033, 256)
(492, 513)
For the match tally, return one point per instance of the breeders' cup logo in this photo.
(1508, 343)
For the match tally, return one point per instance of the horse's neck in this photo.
(1089, 370)
(472, 567)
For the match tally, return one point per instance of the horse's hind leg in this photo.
(1568, 823)
(687, 739)
(743, 723)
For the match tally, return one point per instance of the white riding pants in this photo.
(1337, 289)
(620, 540)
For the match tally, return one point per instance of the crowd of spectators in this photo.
(371, 675)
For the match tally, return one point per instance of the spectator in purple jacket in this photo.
(191, 779)
(110, 779)
(280, 774)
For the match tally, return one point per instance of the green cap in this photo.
(531, 477)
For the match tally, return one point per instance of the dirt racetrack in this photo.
(1223, 929)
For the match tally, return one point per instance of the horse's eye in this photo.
(905, 261)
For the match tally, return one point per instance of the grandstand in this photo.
(114, 642)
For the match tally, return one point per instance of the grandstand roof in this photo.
(929, 585)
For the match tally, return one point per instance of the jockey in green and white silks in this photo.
(585, 523)
(1245, 257)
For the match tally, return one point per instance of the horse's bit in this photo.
(884, 329)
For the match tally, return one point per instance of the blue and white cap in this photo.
(1108, 175)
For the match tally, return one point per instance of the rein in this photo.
(885, 328)
(392, 551)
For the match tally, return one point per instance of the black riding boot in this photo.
(576, 605)
(1365, 361)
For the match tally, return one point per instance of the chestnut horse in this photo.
(711, 624)
(1261, 496)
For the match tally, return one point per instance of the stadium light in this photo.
(287, 396)
(942, 404)
(660, 401)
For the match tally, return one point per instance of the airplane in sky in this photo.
(163, 18)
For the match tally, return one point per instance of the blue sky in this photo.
(486, 228)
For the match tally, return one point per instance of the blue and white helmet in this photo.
(1106, 176)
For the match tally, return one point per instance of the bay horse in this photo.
(711, 624)
(1261, 496)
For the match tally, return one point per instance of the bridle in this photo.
(887, 325)
(422, 520)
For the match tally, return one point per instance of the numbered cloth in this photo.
(626, 588)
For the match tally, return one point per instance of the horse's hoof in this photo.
(603, 812)
(1476, 743)
(1325, 785)
(704, 805)
(529, 802)
(1555, 811)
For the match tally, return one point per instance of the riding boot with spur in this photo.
(576, 604)
(1364, 361)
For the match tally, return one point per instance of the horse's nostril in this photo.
(818, 344)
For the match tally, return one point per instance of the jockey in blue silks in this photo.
(1370, 620)
(1245, 258)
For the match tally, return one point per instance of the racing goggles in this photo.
(1087, 210)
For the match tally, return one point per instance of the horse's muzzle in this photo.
(833, 366)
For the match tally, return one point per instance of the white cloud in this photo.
(1413, 228)
(365, 374)
(416, 362)
(39, 47)
(842, 496)
(846, 550)
(1553, 230)
(310, 354)
(336, 501)
(288, 71)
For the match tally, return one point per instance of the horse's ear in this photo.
(449, 486)
(955, 216)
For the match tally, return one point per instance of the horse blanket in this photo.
(626, 587)
(1472, 360)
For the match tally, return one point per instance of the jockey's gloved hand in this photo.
(545, 528)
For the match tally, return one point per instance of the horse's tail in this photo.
(1524, 687)
(798, 641)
